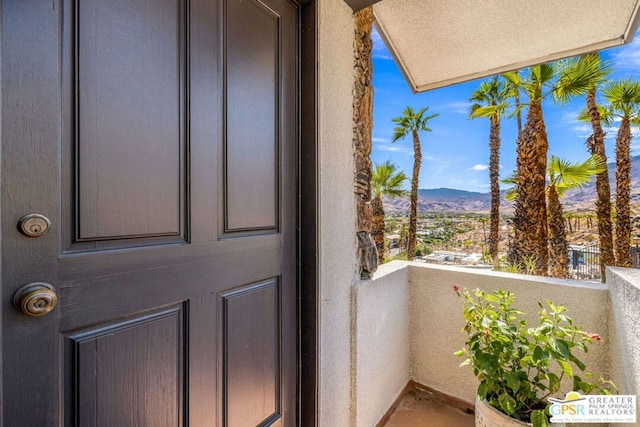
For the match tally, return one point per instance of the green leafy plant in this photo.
(510, 268)
(519, 366)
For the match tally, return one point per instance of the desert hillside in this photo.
(451, 200)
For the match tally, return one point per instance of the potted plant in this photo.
(519, 366)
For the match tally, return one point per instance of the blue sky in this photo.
(456, 153)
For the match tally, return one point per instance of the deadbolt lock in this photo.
(34, 225)
(35, 299)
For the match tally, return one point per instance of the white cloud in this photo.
(611, 132)
(379, 50)
(382, 140)
(479, 167)
(400, 149)
(627, 57)
(583, 130)
(437, 165)
(459, 107)
(570, 117)
(467, 184)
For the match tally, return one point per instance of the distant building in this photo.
(441, 257)
(393, 240)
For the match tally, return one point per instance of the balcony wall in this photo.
(436, 319)
(390, 347)
(382, 347)
(624, 288)
(337, 263)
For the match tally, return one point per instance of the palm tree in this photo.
(530, 231)
(490, 102)
(596, 146)
(564, 175)
(385, 180)
(514, 92)
(623, 97)
(568, 216)
(414, 123)
(563, 80)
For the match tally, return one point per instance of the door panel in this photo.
(129, 373)
(128, 103)
(251, 361)
(159, 136)
(124, 86)
(252, 85)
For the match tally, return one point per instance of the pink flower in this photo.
(596, 337)
(456, 289)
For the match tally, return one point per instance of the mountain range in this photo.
(452, 200)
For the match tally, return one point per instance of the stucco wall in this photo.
(436, 319)
(382, 341)
(624, 288)
(337, 262)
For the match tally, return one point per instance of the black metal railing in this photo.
(584, 261)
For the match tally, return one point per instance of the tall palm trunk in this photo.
(494, 168)
(378, 227)
(558, 247)
(568, 217)
(603, 202)
(530, 218)
(623, 198)
(362, 128)
(518, 110)
(413, 215)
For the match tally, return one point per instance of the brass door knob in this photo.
(35, 299)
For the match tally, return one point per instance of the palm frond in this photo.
(623, 96)
(535, 79)
(472, 109)
(607, 115)
(583, 116)
(387, 180)
(491, 99)
(487, 111)
(510, 194)
(565, 175)
(518, 109)
(399, 133)
(513, 78)
(480, 95)
(411, 121)
(543, 73)
(578, 75)
(422, 121)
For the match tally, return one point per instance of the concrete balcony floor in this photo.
(425, 408)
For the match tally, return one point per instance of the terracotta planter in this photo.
(488, 416)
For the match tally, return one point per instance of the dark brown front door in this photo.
(159, 139)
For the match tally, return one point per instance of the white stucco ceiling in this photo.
(442, 42)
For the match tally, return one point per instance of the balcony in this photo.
(407, 323)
